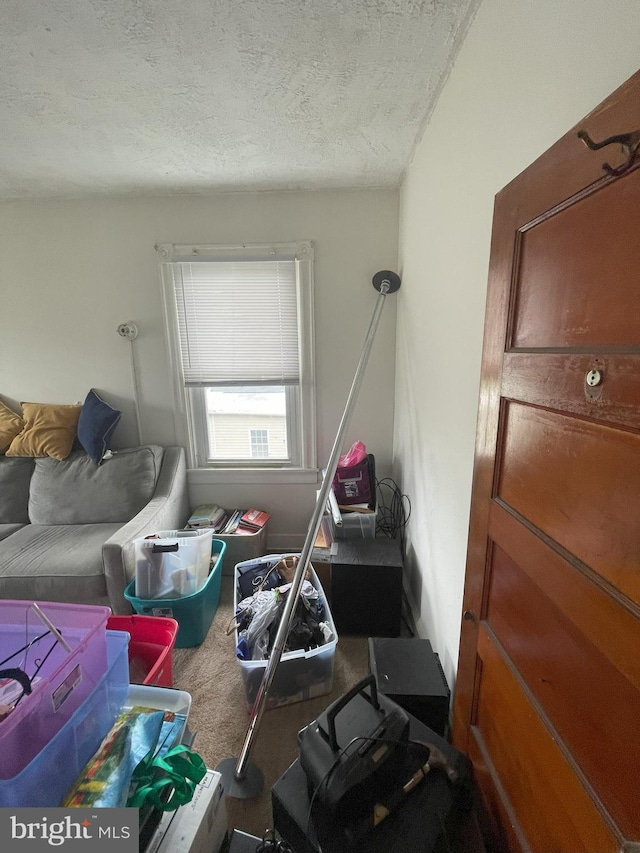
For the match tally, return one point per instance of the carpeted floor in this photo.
(219, 715)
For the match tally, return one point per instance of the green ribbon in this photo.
(179, 770)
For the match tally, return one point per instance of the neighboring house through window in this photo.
(259, 442)
(240, 331)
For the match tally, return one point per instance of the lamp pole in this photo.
(241, 778)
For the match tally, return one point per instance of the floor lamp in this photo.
(240, 777)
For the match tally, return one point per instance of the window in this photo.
(259, 439)
(240, 333)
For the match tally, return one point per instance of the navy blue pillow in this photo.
(96, 424)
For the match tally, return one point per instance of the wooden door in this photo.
(547, 698)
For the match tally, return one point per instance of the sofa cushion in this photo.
(10, 425)
(55, 563)
(96, 425)
(8, 529)
(49, 430)
(76, 491)
(15, 476)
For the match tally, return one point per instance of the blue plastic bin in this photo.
(193, 613)
(47, 778)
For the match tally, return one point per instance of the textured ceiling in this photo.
(169, 96)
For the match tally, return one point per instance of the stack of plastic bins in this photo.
(300, 674)
(63, 649)
(45, 780)
(150, 647)
(193, 613)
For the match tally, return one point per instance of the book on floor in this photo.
(234, 520)
(205, 515)
(254, 519)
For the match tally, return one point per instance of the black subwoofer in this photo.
(408, 671)
(366, 587)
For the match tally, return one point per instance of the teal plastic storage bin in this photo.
(193, 613)
(47, 778)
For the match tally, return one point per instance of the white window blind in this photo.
(237, 322)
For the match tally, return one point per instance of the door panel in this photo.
(612, 628)
(576, 481)
(547, 699)
(577, 279)
(555, 661)
(500, 822)
(558, 381)
(554, 810)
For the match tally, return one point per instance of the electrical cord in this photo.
(394, 510)
(129, 330)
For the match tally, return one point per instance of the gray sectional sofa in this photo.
(67, 527)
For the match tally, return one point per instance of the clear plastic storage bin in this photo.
(173, 564)
(45, 780)
(300, 674)
(193, 613)
(63, 649)
(355, 525)
(160, 698)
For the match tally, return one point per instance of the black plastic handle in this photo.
(163, 549)
(339, 704)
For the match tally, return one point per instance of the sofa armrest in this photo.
(168, 509)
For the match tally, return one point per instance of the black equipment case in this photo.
(346, 794)
(357, 741)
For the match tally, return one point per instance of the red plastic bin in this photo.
(150, 647)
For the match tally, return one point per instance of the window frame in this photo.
(190, 417)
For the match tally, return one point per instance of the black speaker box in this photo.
(408, 671)
(366, 587)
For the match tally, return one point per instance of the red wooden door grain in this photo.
(547, 700)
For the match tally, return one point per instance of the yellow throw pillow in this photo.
(10, 425)
(49, 430)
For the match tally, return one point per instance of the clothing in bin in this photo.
(259, 616)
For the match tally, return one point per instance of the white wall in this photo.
(73, 270)
(526, 73)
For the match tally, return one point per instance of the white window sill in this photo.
(266, 476)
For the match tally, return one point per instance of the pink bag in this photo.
(356, 453)
(355, 478)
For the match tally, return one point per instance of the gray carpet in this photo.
(219, 716)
